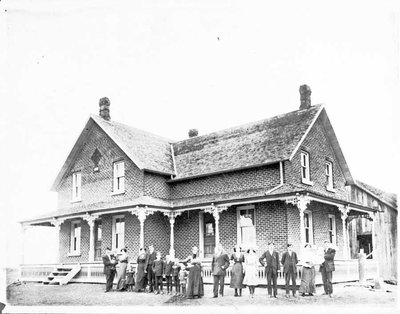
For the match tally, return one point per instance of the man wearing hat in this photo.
(219, 264)
(270, 260)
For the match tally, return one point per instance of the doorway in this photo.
(209, 234)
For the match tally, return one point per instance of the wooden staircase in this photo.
(62, 274)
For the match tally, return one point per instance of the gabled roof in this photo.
(148, 151)
(388, 198)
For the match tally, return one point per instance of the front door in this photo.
(97, 240)
(209, 235)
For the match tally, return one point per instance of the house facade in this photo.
(282, 179)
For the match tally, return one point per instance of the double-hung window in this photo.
(332, 229)
(119, 177)
(305, 168)
(246, 225)
(76, 186)
(308, 226)
(75, 244)
(118, 232)
(329, 176)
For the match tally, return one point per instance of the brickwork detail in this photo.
(156, 186)
(65, 240)
(98, 186)
(157, 232)
(186, 233)
(319, 148)
(262, 177)
(228, 229)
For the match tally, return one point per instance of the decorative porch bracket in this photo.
(344, 211)
(142, 213)
(172, 215)
(90, 220)
(215, 211)
(301, 201)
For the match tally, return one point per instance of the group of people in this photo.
(185, 276)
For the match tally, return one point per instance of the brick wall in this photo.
(262, 177)
(157, 232)
(228, 229)
(98, 186)
(186, 232)
(65, 240)
(318, 146)
(156, 186)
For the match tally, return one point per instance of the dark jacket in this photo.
(158, 267)
(328, 264)
(109, 267)
(288, 261)
(175, 270)
(272, 261)
(150, 258)
(220, 264)
(168, 268)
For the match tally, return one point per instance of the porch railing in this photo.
(93, 272)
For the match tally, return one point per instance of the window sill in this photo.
(117, 192)
(76, 201)
(74, 254)
(330, 189)
(307, 182)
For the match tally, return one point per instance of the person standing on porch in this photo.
(150, 258)
(270, 260)
(195, 286)
(109, 262)
(219, 264)
(327, 267)
(289, 262)
(237, 272)
(122, 263)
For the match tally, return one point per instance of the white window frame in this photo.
(77, 186)
(333, 230)
(114, 233)
(238, 228)
(75, 233)
(118, 177)
(310, 228)
(329, 175)
(305, 165)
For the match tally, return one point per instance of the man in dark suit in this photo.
(270, 260)
(150, 258)
(219, 264)
(327, 267)
(289, 262)
(109, 262)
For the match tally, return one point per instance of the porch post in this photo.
(23, 234)
(141, 213)
(57, 224)
(344, 210)
(373, 217)
(90, 220)
(215, 211)
(301, 201)
(172, 215)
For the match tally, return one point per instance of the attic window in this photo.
(305, 168)
(96, 159)
(119, 177)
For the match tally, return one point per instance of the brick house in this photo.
(282, 179)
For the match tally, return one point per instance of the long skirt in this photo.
(121, 281)
(307, 284)
(140, 277)
(195, 285)
(237, 276)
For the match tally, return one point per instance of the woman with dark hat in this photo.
(141, 280)
(195, 287)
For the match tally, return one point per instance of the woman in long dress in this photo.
(307, 285)
(140, 284)
(237, 271)
(251, 271)
(122, 264)
(195, 287)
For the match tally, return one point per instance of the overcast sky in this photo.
(168, 66)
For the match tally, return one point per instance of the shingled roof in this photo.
(257, 143)
(388, 198)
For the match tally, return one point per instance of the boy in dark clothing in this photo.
(158, 270)
(175, 275)
(168, 273)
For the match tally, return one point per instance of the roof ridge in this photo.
(133, 128)
(248, 124)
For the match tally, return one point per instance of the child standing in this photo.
(168, 273)
(175, 275)
(183, 274)
(158, 269)
(130, 282)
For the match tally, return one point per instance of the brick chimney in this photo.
(305, 97)
(104, 112)
(193, 132)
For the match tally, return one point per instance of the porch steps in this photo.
(62, 275)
